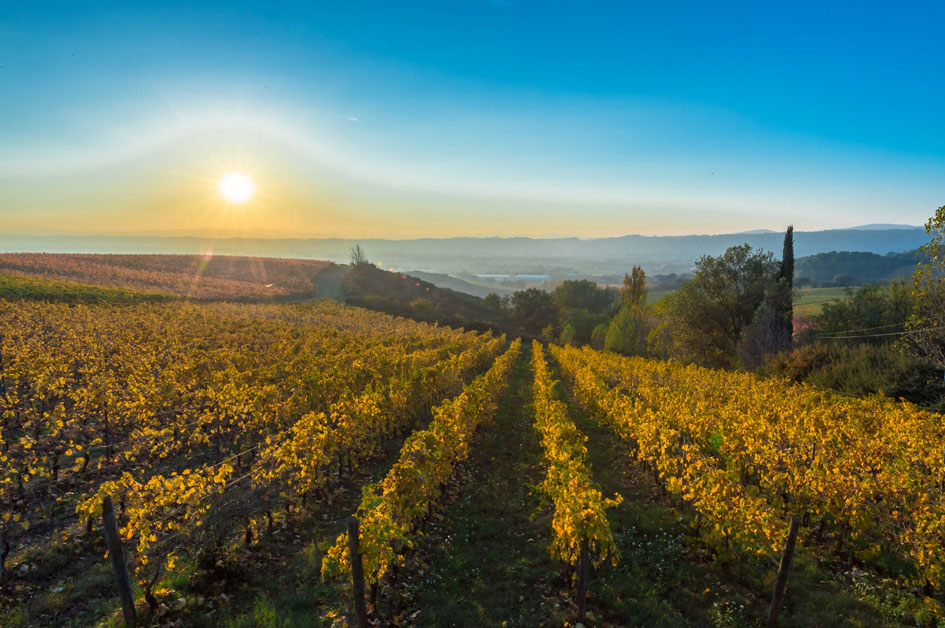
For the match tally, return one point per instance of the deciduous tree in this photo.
(358, 256)
(704, 320)
(535, 310)
(927, 321)
(634, 287)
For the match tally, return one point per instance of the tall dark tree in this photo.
(787, 256)
(773, 323)
(784, 288)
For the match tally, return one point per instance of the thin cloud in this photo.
(353, 119)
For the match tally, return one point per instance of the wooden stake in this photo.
(780, 582)
(940, 484)
(583, 568)
(113, 541)
(357, 571)
(108, 440)
(3, 389)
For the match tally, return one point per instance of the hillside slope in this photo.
(404, 295)
(860, 266)
(459, 285)
(201, 277)
(247, 279)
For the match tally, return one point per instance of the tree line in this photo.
(736, 308)
(736, 311)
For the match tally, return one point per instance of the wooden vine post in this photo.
(113, 542)
(108, 437)
(582, 574)
(780, 582)
(357, 571)
(3, 390)
(941, 483)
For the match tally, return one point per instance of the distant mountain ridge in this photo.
(881, 227)
(556, 256)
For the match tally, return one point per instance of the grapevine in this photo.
(579, 506)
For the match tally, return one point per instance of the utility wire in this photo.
(891, 333)
(859, 329)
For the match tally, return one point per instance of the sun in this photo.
(236, 187)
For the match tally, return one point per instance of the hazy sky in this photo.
(476, 118)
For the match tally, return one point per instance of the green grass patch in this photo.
(654, 295)
(488, 556)
(809, 301)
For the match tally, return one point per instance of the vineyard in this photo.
(203, 277)
(241, 451)
(201, 421)
(93, 278)
(748, 454)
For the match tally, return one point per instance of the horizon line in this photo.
(199, 236)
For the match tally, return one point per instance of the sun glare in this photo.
(236, 187)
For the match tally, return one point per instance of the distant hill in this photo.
(202, 277)
(555, 256)
(87, 278)
(881, 227)
(859, 267)
(460, 285)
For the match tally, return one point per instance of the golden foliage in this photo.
(748, 452)
(391, 510)
(579, 506)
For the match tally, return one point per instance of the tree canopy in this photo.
(583, 295)
(869, 311)
(534, 309)
(704, 320)
(929, 290)
(634, 287)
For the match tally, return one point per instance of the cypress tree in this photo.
(787, 257)
(785, 306)
(773, 322)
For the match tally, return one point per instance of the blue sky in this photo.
(474, 118)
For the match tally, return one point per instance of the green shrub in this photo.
(863, 369)
(568, 335)
(423, 309)
(627, 332)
